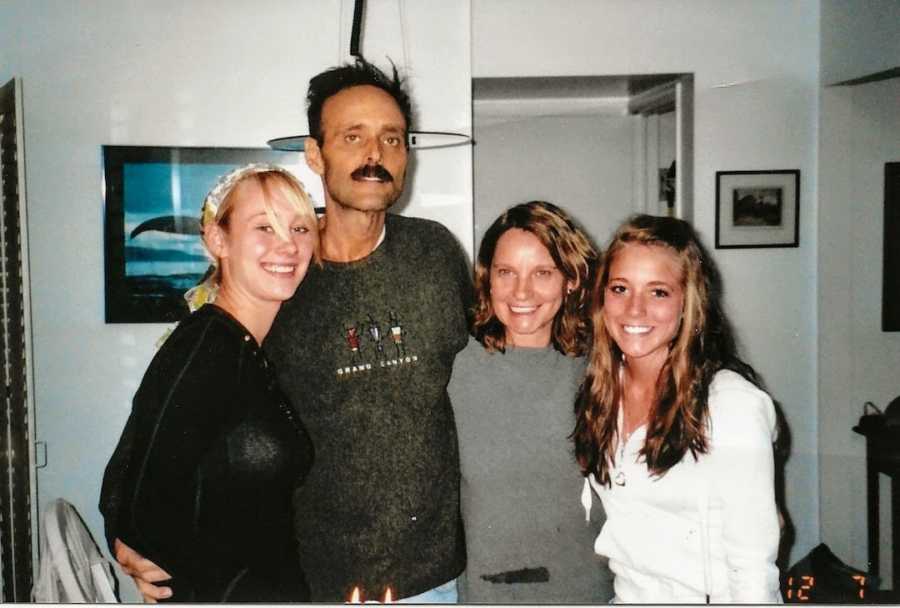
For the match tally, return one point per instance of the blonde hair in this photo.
(219, 204)
(574, 256)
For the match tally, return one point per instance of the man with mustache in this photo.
(380, 507)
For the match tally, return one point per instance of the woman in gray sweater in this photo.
(512, 391)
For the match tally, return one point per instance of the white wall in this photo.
(659, 149)
(859, 38)
(666, 139)
(859, 131)
(198, 73)
(858, 362)
(581, 163)
(767, 121)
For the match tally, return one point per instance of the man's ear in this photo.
(313, 155)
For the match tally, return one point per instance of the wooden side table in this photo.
(882, 456)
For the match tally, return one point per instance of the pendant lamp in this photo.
(418, 140)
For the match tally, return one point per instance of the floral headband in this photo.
(209, 211)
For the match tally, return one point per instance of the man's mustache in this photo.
(370, 171)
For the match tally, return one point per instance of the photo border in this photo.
(729, 236)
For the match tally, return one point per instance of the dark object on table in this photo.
(874, 421)
(822, 578)
(892, 415)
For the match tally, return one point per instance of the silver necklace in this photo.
(620, 477)
(620, 461)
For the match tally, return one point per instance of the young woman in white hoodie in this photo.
(673, 430)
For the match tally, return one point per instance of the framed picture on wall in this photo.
(757, 209)
(152, 197)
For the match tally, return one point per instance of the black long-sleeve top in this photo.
(202, 478)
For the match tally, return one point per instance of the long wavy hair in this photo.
(703, 345)
(574, 256)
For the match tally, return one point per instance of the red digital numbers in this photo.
(806, 584)
(861, 581)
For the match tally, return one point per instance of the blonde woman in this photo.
(673, 430)
(202, 478)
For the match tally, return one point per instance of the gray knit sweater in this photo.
(526, 535)
(365, 349)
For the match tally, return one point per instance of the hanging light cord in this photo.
(401, 9)
(356, 31)
(358, 8)
(340, 33)
(418, 139)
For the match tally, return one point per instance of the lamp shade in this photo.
(418, 140)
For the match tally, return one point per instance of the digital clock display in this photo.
(802, 588)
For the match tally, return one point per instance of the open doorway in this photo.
(602, 147)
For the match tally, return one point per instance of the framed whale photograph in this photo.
(152, 197)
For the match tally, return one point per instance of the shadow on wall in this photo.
(782, 454)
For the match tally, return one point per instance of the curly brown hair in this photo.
(575, 257)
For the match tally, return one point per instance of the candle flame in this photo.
(388, 598)
(354, 597)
